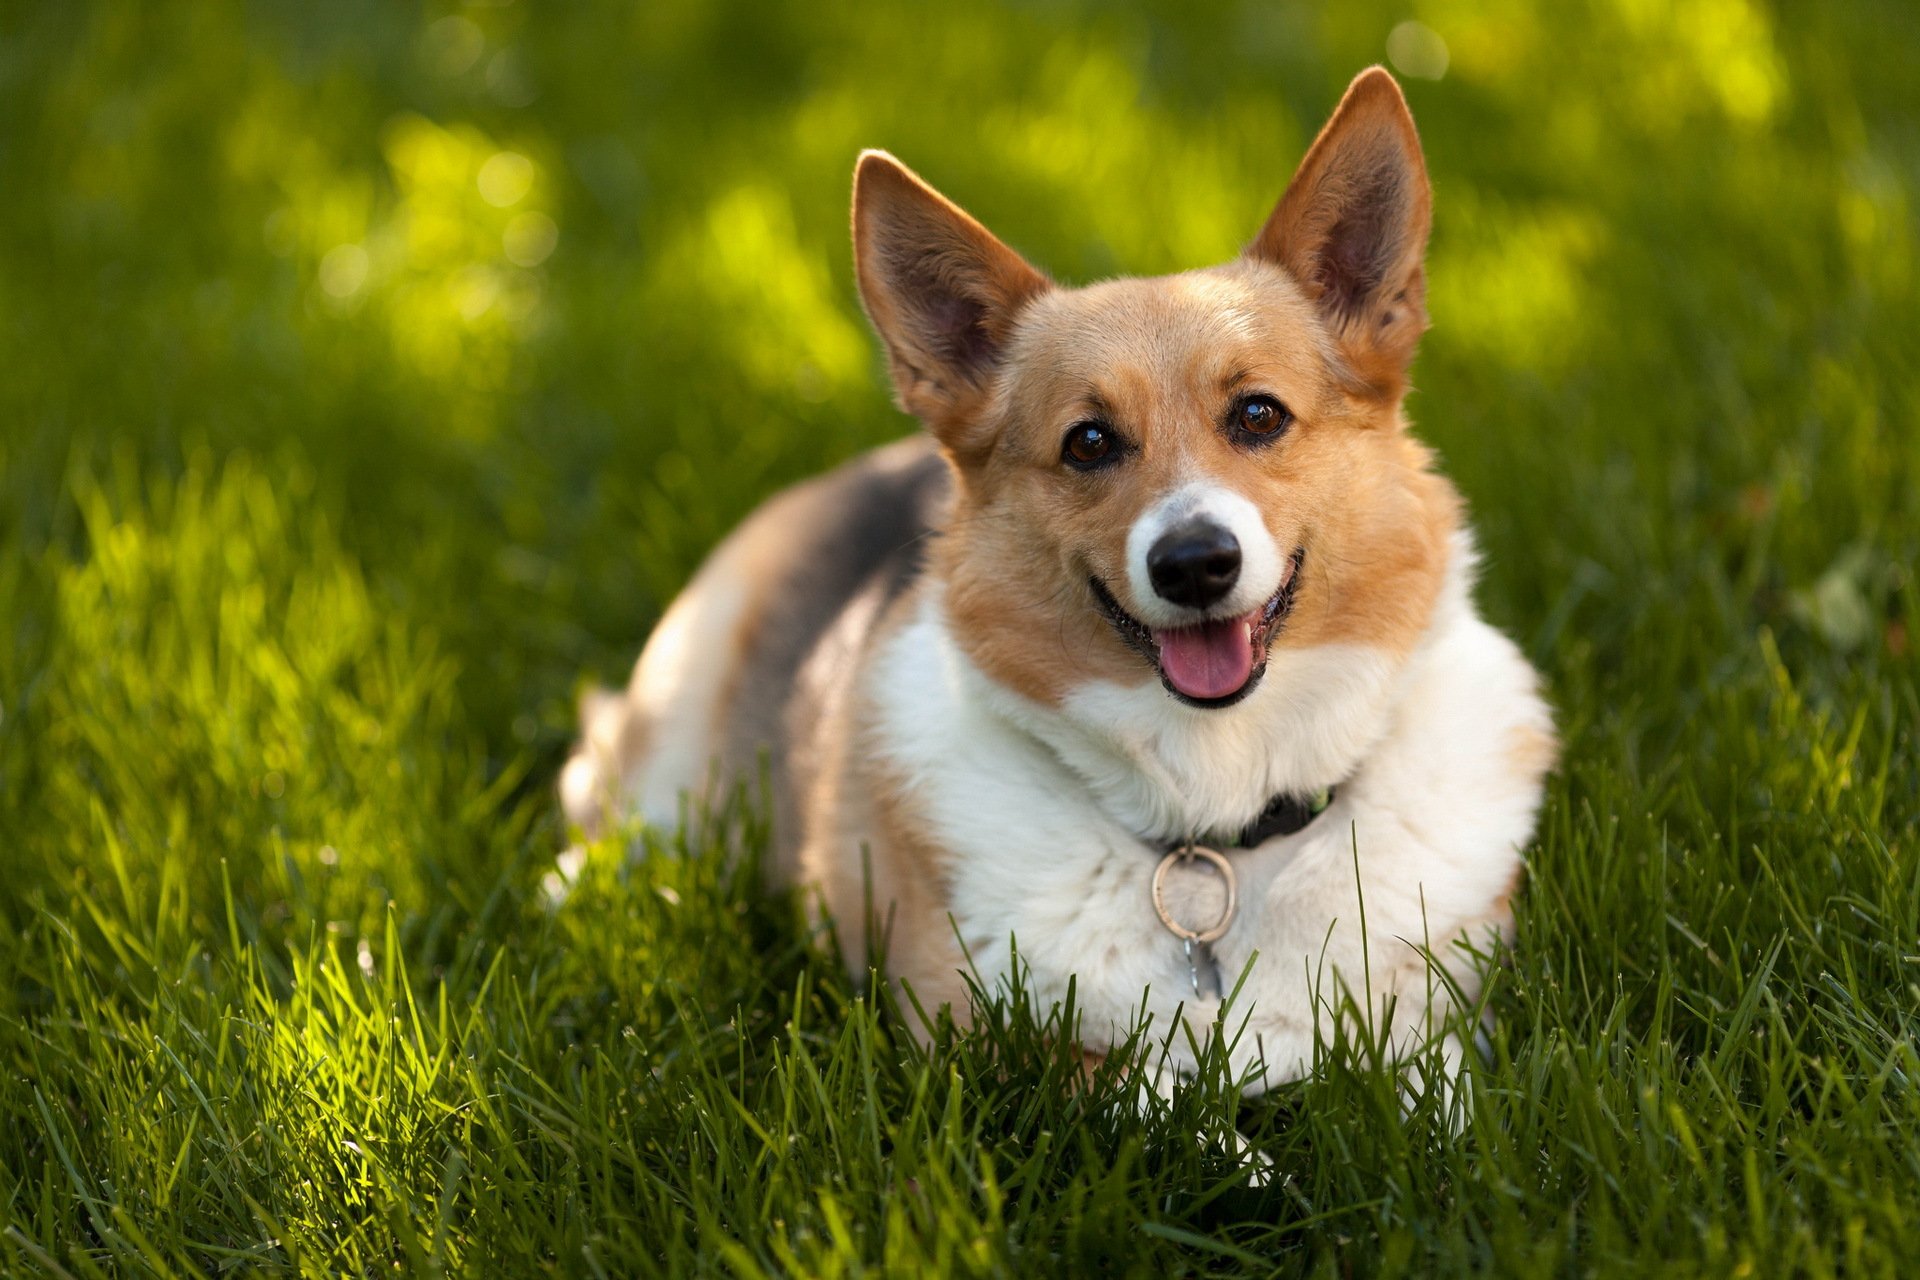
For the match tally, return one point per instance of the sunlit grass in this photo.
(373, 380)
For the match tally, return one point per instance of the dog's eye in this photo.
(1088, 445)
(1261, 417)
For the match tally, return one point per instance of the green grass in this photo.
(327, 475)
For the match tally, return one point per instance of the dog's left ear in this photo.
(1352, 231)
(941, 290)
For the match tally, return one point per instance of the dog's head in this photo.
(1171, 476)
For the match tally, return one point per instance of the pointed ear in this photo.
(941, 291)
(1352, 230)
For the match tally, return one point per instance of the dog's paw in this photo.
(1259, 1166)
(1155, 1089)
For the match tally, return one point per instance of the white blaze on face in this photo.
(1261, 561)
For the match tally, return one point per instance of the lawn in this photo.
(371, 376)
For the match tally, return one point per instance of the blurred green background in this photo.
(371, 375)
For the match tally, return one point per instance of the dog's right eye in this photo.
(1088, 445)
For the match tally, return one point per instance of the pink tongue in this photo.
(1209, 661)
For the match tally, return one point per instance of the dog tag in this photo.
(1203, 970)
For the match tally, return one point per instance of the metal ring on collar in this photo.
(1187, 853)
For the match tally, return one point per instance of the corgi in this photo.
(1151, 665)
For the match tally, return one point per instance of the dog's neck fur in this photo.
(1166, 771)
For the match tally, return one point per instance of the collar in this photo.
(1284, 815)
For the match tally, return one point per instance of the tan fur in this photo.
(920, 942)
(1533, 752)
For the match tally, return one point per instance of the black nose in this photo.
(1194, 563)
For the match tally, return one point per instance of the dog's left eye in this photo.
(1088, 445)
(1261, 417)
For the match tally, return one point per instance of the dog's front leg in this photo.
(1365, 923)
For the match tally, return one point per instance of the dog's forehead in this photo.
(1195, 328)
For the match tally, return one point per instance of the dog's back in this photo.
(748, 662)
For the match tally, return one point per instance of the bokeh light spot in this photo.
(344, 270)
(1417, 50)
(452, 45)
(508, 82)
(474, 290)
(529, 239)
(505, 179)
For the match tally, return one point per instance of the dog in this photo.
(1151, 665)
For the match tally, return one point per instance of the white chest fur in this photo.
(1053, 819)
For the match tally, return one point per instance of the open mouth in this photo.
(1216, 662)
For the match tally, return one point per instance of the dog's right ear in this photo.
(1352, 230)
(941, 291)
